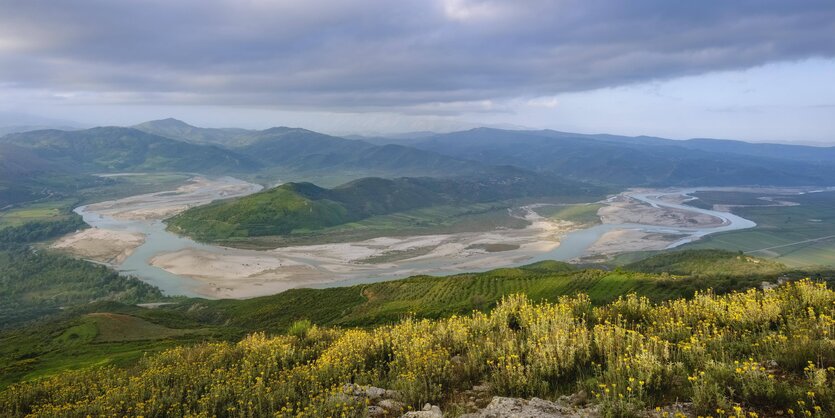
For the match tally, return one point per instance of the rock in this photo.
(535, 408)
(375, 411)
(679, 408)
(391, 406)
(429, 411)
(375, 393)
(767, 285)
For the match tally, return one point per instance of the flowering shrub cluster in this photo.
(756, 353)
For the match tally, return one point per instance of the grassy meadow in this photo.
(802, 235)
(55, 210)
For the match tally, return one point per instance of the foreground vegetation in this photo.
(44, 347)
(766, 352)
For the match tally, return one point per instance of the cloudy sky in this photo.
(758, 70)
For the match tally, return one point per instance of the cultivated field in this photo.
(799, 235)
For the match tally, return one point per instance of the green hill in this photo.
(304, 207)
(115, 149)
(707, 263)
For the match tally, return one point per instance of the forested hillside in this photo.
(303, 207)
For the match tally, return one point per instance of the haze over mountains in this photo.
(292, 154)
(605, 159)
(641, 161)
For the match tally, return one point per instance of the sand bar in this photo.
(101, 245)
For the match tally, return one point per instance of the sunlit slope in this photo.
(747, 354)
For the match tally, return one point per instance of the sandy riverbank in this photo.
(161, 205)
(629, 240)
(102, 245)
(237, 273)
(240, 274)
(624, 210)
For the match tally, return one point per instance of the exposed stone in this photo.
(391, 406)
(681, 408)
(535, 408)
(375, 411)
(375, 393)
(429, 411)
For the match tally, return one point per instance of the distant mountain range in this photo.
(290, 154)
(295, 151)
(641, 161)
(602, 159)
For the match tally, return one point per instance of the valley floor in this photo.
(636, 220)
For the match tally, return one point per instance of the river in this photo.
(210, 271)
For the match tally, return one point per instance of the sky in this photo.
(756, 70)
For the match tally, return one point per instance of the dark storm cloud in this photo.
(383, 53)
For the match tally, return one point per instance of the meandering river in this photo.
(326, 270)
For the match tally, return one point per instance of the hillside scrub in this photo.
(766, 352)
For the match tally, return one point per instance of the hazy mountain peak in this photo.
(282, 129)
(167, 122)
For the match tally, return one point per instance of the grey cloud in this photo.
(381, 54)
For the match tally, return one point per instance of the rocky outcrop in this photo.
(535, 408)
(382, 403)
(429, 411)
